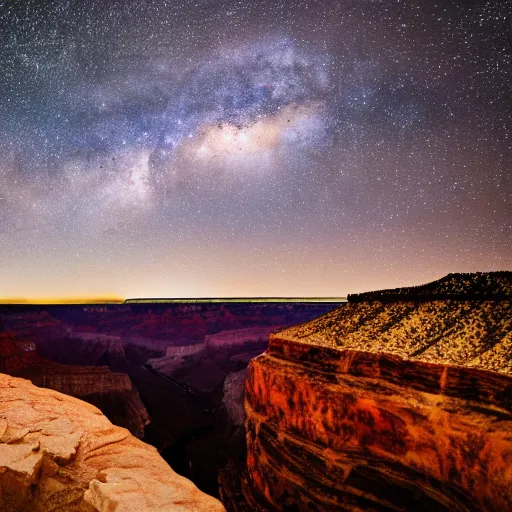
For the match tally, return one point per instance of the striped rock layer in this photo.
(385, 406)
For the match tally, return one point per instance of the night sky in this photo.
(252, 148)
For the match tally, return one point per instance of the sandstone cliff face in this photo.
(113, 393)
(356, 438)
(384, 406)
(61, 454)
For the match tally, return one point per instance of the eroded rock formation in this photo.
(112, 392)
(61, 454)
(382, 406)
(177, 377)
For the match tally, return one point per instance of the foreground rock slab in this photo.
(59, 454)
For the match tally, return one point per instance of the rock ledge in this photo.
(385, 406)
(59, 454)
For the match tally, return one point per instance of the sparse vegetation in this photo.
(479, 285)
(462, 331)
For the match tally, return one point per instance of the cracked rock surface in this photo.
(59, 454)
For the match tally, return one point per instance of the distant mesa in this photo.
(213, 300)
(96, 304)
(478, 285)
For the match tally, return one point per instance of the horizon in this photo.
(106, 300)
(163, 300)
(111, 299)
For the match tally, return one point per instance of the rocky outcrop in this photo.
(461, 332)
(384, 406)
(233, 397)
(174, 358)
(112, 392)
(61, 454)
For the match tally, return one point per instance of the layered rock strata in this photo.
(239, 337)
(113, 393)
(384, 406)
(61, 454)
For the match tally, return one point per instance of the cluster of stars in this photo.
(373, 138)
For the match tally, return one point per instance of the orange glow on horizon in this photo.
(62, 300)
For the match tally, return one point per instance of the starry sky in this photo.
(199, 148)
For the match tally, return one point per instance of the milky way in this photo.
(224, 148)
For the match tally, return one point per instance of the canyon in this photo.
(397, 400)
(157, 369)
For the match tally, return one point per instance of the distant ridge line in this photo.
(208, 300)
(495, 286)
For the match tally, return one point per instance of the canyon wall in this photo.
(354, 437)
(382, 406)
(112, 392)
(239, 337)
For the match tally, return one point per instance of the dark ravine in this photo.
(177, 383)
(176, 357)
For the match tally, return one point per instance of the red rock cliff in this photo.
(385, 406)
